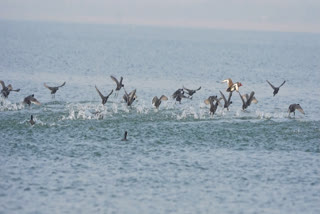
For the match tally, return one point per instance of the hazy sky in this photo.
(283, 15)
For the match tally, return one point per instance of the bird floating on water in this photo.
(125, 136)
(31, 121)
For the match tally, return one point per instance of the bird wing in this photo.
(230, 95)
(163, 98)
(254, 100)
(176, 93)
(243, 102)
(62, 85)
(272, 86)
(131, 96)
(198, 88)
(245, 97)
(110, 93)
(282, 84)
(101, 95)
(154, 100)
(223, 97)
(48, 87)
(114, 79)
(207, 101)
(229, 82)
(34, 100)
(250, 97)
(183, 96)
(298, 107)
(2, 83)
(188, 90)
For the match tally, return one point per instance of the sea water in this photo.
(178, 158)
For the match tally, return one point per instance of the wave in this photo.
(94, 111)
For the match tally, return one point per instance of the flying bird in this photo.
(294, 107)
(104, 98)
(53, 89)
(190, 92)
(119, 84)
(157, 101)
(275, 89)
(7, 89)
(232, 86)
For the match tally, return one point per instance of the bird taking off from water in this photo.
(129, 98)
(249, 99)
(7, 89)
(213, 106)
(190, 92)
(53, 89)
(294, 107)
(30, 99)
(104, 98)
(157, 101)
(228, 102)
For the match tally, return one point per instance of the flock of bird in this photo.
(178, 95)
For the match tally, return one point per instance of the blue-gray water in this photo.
(177, 159)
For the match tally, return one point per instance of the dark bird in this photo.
(157, 101)
(232, 86)
(119, 84)
(7, 89)
(177, 92)
(249, 100)
(275, 89)
(104, 98)
(294, 107)
(228, 102)
(54, 89)
(125, 136)
(129, 98)
(30, 99)
(178, 95)
(213, 106)
(31, 121)
(191, 92)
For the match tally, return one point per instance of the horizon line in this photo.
(195, 25)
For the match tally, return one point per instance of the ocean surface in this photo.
(179, 158)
